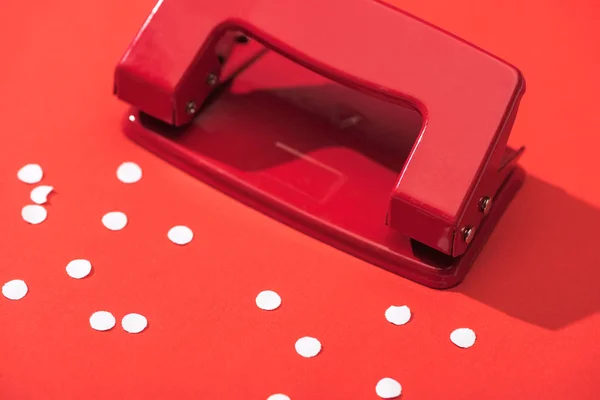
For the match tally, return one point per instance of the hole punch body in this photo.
(372, 131)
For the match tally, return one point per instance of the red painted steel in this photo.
(418, 122)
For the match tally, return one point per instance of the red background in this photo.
(533, 297)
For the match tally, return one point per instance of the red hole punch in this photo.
(349, 120)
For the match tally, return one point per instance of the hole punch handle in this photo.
(467, 97)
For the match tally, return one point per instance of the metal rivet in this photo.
(468, 233)
(191, 107)
(485, 203)
(211, 79)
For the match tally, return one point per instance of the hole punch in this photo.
(393, 151)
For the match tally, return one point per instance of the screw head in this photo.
(485, 203)
(191, 107)
(468, 233)
(212, 79)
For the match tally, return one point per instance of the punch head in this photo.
(366, 147)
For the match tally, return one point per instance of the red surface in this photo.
(532, 297)
(277, 138)
(468, 98)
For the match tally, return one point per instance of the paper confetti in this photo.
(79, 268)
(102, 321)
(308, 346)
(15, 289)
(129, 172)
(180, 235)
(388, 388)
(268, 300)
(134, 323)
(30, 173)
(278, 396)
(115, 220)
(463, 337)
(398, 315)
(34, 214)
(39, 194)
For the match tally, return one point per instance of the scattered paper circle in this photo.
(79, 268)
(463, 337)
(34, 214)
(398, 315)
(30, 173)
(39, 194)
(268, 300)
(278, 396)
(114, 220)
(180, 235)
(15, 289)
(102, 321)
(388, 388)
(129, 172)
(308, 346)
(134, 323)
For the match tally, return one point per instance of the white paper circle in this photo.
(463, 337)
(268, 300)
(129, 172)
(115, 220)
(180, 235)
(308, 346)
(278, 396)
(398, 315)
(134, 323)
(102, 321)
(30, 173)
(34, 214)
(15, 289)
(79, 268)
(388, 388)
(39, 194)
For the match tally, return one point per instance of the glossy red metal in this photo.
(383, 132)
